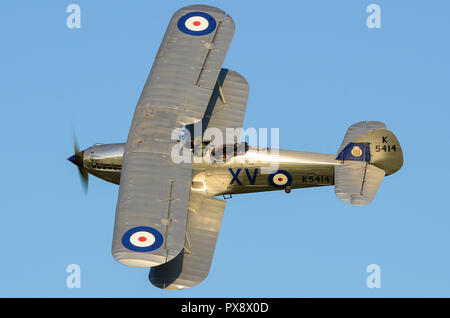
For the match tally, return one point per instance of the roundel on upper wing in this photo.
(197, 23)
(142, 239)
(280, 179)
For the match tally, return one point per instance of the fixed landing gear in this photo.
(287, 189)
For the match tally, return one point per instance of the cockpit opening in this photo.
(228, 151)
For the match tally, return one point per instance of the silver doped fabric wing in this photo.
(152, 207)
(187, 66)
(192, 265)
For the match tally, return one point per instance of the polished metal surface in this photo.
(306, 169)
(245, 174)
(104, 161)
(386, 151)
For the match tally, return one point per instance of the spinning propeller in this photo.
(77, 159)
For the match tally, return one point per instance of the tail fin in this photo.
(368, 153)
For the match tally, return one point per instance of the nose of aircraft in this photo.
(72, 159)
(77, 159)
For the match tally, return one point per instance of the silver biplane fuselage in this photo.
(234, 175)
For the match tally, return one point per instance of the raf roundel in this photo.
(280, 179)
(197, 23)
(142, 239)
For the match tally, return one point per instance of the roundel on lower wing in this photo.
(280, 179)
(197, 23)
(142, 239)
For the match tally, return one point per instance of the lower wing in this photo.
(191, 265)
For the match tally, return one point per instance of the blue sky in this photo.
(314, 68)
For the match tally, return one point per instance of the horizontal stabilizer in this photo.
(357, 182)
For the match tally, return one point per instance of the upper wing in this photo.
(192, 265)
(153, 195)
(153, 198)
(188, 62)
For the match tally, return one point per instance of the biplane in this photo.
(169, 211)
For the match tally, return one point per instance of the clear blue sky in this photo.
(314, 68)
